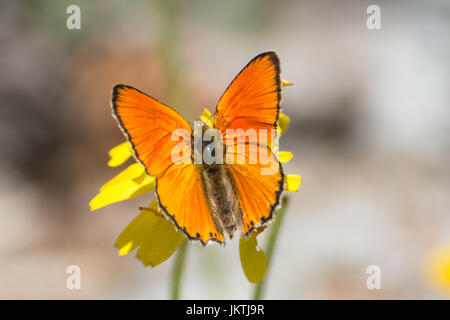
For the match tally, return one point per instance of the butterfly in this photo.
(210, 202)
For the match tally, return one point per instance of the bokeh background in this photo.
(370, 129)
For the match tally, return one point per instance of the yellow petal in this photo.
(285, 156)
(126, 189)
(438, 268)
(127, 248)
(286, 83)
(132, 172)
(119, 154)
(206, 117)
(155, 236)
(253, 259)
(283, 122)
(292, 182)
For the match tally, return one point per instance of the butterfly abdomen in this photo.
(222, 198)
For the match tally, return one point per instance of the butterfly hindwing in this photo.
(183, 199)
(258, 184)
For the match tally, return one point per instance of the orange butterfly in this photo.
(209, 202)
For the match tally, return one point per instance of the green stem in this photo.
(177, 271)
(260, 286)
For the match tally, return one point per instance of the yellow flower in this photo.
(151, 233)
(437, 268)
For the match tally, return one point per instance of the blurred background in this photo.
(370, 130)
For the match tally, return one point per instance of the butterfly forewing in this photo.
(148, 124)
(252, 100)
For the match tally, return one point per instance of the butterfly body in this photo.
(222, 198)
(210, 200)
